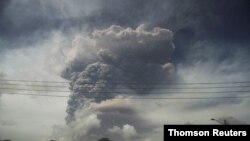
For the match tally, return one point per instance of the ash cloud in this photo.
(127, 131)
(96, 64)
(99, 65)
(118, 119)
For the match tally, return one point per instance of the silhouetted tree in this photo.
(104, 139)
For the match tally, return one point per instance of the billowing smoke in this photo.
(110, 59)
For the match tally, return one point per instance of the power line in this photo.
(138, 98)
(15, 84)
(210, 87)
(144, 83)
(190, 87)
(188, 98)
(120, 92)
(12, 80)
(32, 90)
(45, 95)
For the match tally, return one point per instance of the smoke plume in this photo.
(116, 57)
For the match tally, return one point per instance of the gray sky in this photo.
(40, 39)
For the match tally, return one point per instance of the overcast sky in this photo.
(79, 41)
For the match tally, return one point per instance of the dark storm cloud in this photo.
(223, 21)
(190, 20)
(29, 21)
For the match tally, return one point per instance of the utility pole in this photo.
(223, 123)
